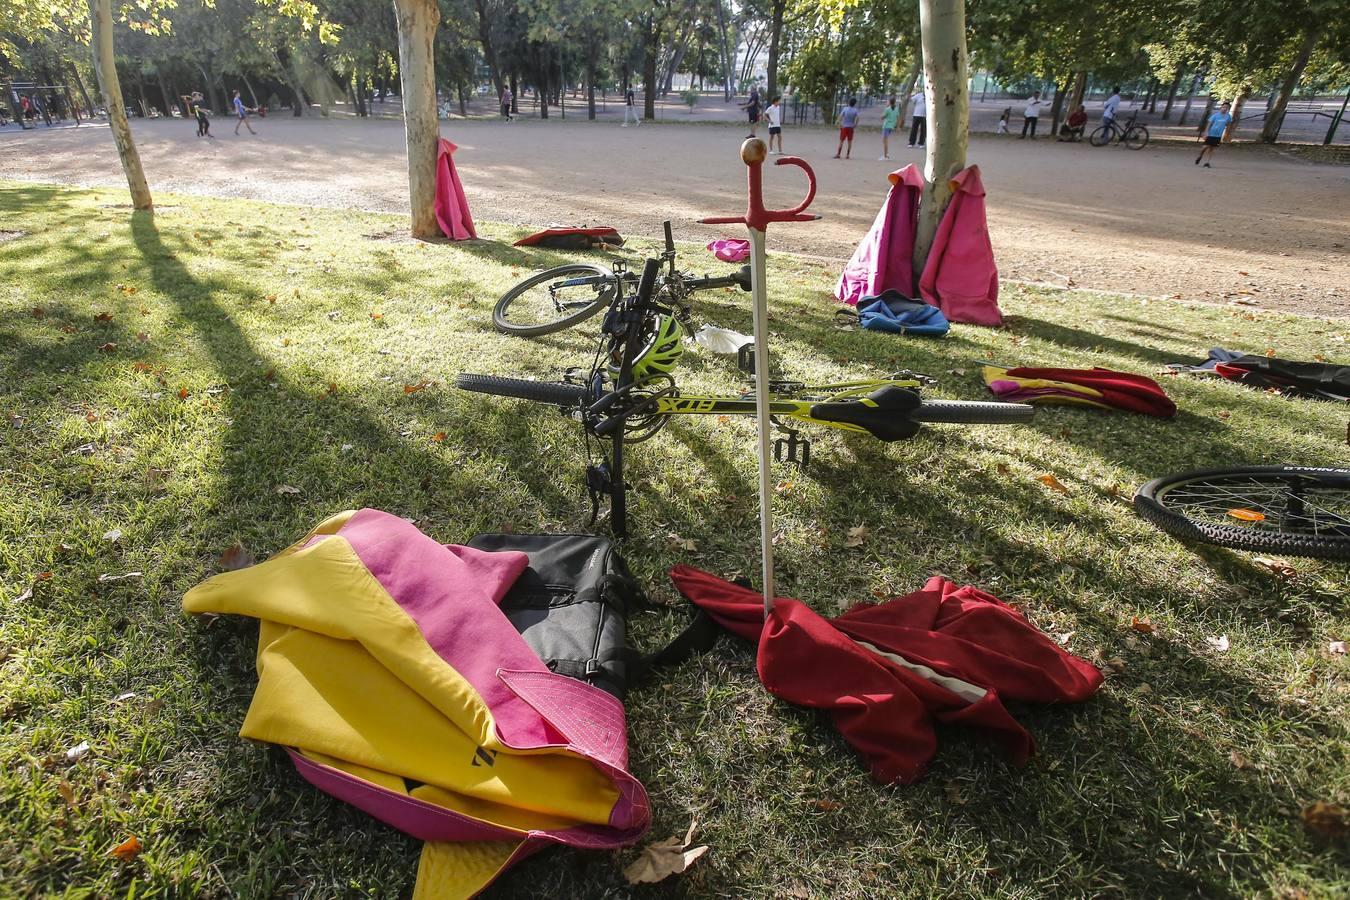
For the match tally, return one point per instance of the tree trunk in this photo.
(251, 92)
(463, 94)
(15, 110)
(1152, 98)
(485, 38)
(907, 90)
(1270, 131)
(105, 67)
(652, 40)
(417, 21)
(163, 91)
(1238, 102)
(726, 53)
(1171, 95)
(942, 24)
(590, 82)
(1079, 89)
(775, 36)
(1057, 108)
(515, 95)
(1198, 77)
(292, 81)
(84, 92)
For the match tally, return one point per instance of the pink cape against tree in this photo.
(452, 208)
(960, 277)
(884, 259)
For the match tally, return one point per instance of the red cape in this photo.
(886, 673)
(960, 277)
(452, 207)
(885, 258)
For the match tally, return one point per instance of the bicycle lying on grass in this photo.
(1130, 134)
(1296, 510)
(629, 393)
(558, 298)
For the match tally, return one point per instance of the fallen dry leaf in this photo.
(1330, 821)
(660, 860)
(127, 850)
(953, 791)
(141, 367)
(44, 576)
(828, 805)
(856, 536)
(1277, 568)
(67, 793)
(1144, 626)
(103, 317)
(438, 437)
(1003, 469)
(1336, 648)
(414, 388)
(287, 490)
(377, 316)
(69, 329)
(271, 298)
(1239, 761)
(142, 336)
(1220, 643)
(235, 557)
(110, 347)
(1116, 664)
(113, 536)
(1052, 483)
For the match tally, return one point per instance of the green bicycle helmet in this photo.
(660, 351)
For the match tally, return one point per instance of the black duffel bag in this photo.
(572, 603)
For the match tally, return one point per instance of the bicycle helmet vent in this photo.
(659, 353)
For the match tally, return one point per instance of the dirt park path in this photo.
(1259, 228)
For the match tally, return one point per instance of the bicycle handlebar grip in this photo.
(648, 282)
(670, 238)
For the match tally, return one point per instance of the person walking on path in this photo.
(630, 109)
(1110, 106)
(848, 120)
(203, 121)
(1003, 120)
(1031, 114)
(774, 116)
(242, 112)
(751, 107)
(918, 131)
(1217, 125)
(888, 120)
(507, 99)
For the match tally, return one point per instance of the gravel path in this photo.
(1259, 228)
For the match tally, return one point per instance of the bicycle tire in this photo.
(1132, 137)
(971, 412)
(552, 392)
(1190, 506)
(1105, 131)
(500, 313)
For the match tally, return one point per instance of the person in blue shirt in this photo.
(1217, 125)
(848, 120)
(242, 112)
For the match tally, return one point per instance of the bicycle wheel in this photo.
(1278, 509)
(554, 299)
(971, 412)
(1101, 136)
(1136, 138)
(556, 393)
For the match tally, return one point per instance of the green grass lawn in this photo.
(161, 377)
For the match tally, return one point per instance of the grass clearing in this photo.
(162, 376)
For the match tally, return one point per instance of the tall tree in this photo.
(417, 21)
(105, 66)
(942, 26)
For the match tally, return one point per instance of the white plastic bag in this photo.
(721, 340)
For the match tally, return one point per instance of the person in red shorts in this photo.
(848, 119)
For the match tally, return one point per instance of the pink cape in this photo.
(452, 208)
(884, 259)
(960, 277)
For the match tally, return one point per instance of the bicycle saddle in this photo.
(742, 277)
(884, 413)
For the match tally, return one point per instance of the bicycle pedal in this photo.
(793, 449)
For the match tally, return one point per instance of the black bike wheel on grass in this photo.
(1102, 136)
(554, 300)
(1294, 510)
(972, 412)
(553, 392)
(1136, 137)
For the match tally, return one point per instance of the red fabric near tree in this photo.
(960, 277)
(942, 654)
(452, 207)
(885, 258)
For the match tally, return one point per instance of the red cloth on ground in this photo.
(609, 235)
(452, 207)
(960, 277)
(1137, 393)
(941, 654)
(885, 258)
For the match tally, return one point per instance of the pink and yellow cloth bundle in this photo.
(387, 671)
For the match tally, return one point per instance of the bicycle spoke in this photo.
(1320, 512)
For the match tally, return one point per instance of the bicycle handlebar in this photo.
(756, 215)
